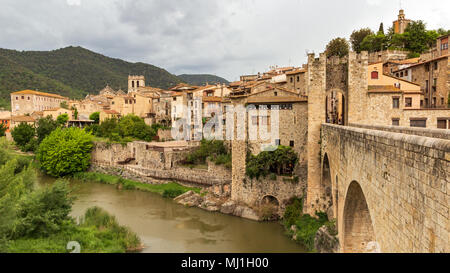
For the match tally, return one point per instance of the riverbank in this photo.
(171, 190)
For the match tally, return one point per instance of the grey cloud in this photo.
(227, 38)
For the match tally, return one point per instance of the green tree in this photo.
(44, 127)
(417, 38)
(23, 134)
(358, 36)
(95, 117)
(75, 112)
(135, 127)
(64, 105)
(3, 129)
(62, 119)
(374, 42)
(337, 47)
(65, 151)
(381, 29)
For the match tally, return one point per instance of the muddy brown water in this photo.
(166, 227)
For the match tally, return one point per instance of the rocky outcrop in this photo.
(324, 242)
(216, 204)
(190, 199)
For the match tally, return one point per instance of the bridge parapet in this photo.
(433, 133)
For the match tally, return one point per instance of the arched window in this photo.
(132, 84)
(374, 75)
(137, 83)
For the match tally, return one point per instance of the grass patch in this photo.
(171, 190)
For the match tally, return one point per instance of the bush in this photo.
(307, 228)
(65, 152)
(2, 129)
(214, 149)
(62, 119)
(172, 193)
(43, 211)
(95, 117)
(22, 134)
(44, 127)
(128, 127)
(281, 161)
(31, 146)
(293, 212)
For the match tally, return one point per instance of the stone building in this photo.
(434, 80)
(56, 112)
(28, 101)
(296, 80)
(135, 82)
(108, 114)
(401, 23)
(16, 120)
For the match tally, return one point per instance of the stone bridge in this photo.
(388, 188)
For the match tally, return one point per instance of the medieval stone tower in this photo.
(134, 82)
(401, 23)
(348, 76)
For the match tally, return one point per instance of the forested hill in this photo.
(72, 71)
(202, 79)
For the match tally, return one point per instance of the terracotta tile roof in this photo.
(237, 83)
(212, 99)
(32, 92)
(301, 70)
(273, 99)
(23, 119)
(383, 89)
(421, 63)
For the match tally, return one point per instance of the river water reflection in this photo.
(167, 227)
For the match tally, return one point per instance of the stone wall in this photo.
(390, 190)
(283, 189)
(152, 165)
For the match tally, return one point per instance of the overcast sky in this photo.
(224, 37)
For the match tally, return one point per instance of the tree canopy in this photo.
(337, 47)
(65, 151)
(358, 36)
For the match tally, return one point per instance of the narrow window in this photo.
(395, 103)
(291, 143)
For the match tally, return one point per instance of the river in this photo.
(166, 227)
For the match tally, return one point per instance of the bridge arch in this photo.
(270, 199)
(358, 231)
